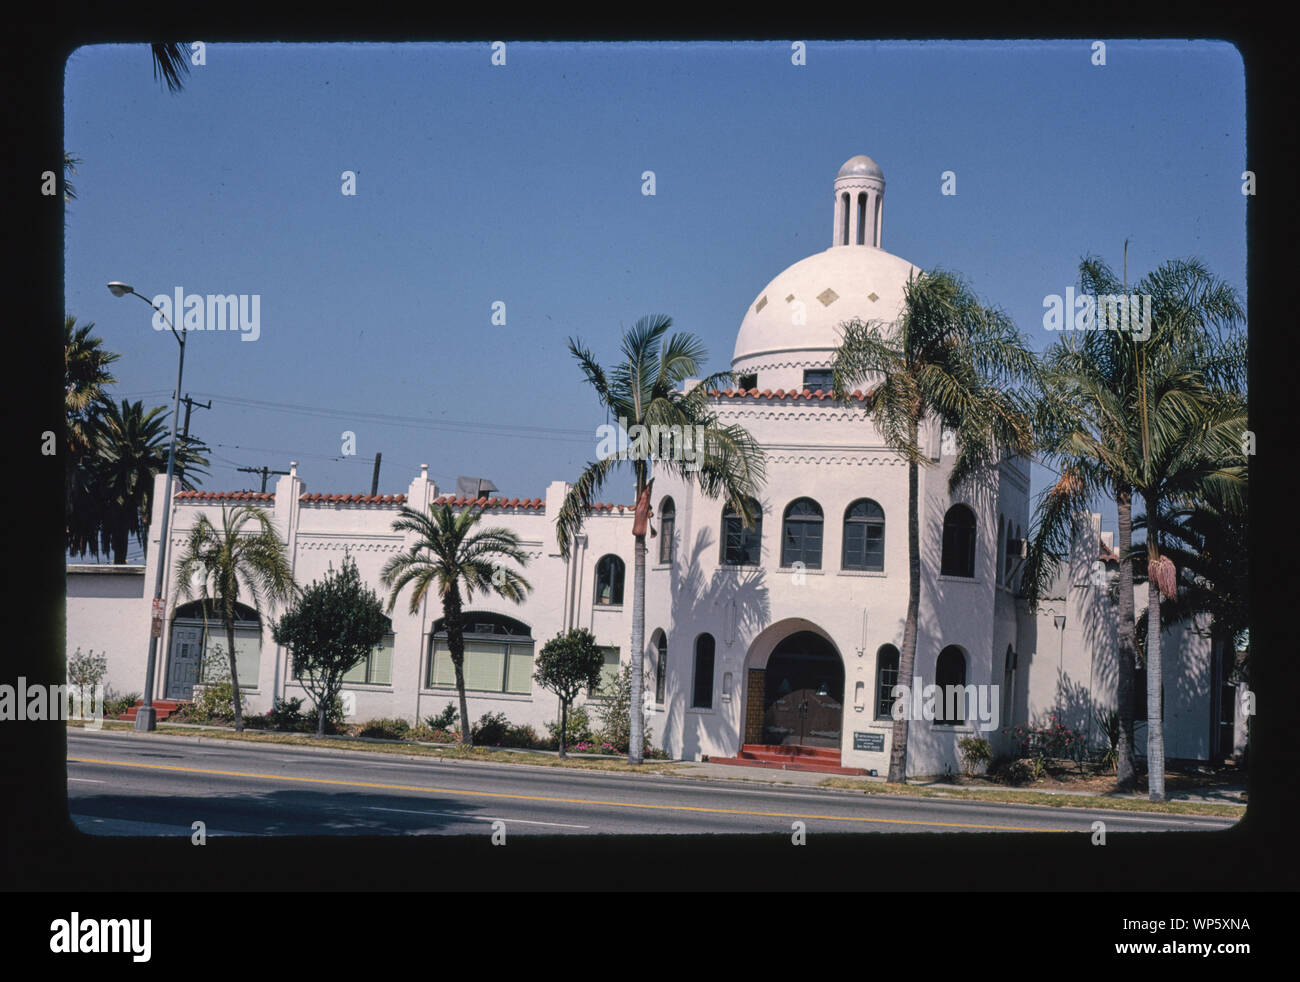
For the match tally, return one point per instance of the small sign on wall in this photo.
(871, 742)
(156, 627)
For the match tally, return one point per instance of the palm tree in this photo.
(228, 564)
(1190, 443)
(953, 360)
(447, 552)
(643, 390)
(169, 61)
(1094, 421)
(86, 374)
(132, 448)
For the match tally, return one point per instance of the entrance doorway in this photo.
(803, 699)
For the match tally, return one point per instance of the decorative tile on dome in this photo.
(761, 304)
(872, 297)
(828, 297)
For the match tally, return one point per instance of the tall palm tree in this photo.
(644, 390)
(132, 448)
(170, 63)
(231, 564)
(950, 359)
(1093, 422)
(1190, 443)
(450, 551)
(86, 374)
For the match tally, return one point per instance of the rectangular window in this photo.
(818, 378)
(248, 653)
(375, 669)
(490, 666)
(661, 673)
(608, 673)
(802, 543)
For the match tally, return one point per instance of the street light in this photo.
(146, 716)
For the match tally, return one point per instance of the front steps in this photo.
(162, 709)
(790, 757)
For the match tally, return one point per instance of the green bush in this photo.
(445, 720)
(88, 670)
(386, 729)
(215, 701)
(117, 705)
(579, 730)
(523, 736)
(490, 730)
(975, 752)
(616, 714)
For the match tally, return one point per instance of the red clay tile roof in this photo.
(819, 395)
(1106, 554)
(458, 502)
(353, 499)
(225, 496)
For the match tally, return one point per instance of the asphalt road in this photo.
(126, 784)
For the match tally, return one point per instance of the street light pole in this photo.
(146, 715)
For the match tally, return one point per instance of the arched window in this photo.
(958, 542)
(199, 647)
(609, 580)
(667, 526)
(950, 676)
(702, 689)
(844, 208)
(1009, 686)
(801, 535)
(886, 679)
(1008, 555)
(742, 546)
(1002, 550)
(660, 642)
(864, 536)
(862, 217)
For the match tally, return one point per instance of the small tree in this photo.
(332, 627)
(615, 712)
(566, 665)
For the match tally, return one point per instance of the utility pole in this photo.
(185, 437)
(374, 481)
(264, 471)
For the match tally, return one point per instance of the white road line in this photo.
(87, 780)
(477, 818)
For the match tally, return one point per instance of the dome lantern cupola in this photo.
(859, 203)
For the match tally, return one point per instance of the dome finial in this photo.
(859, 203)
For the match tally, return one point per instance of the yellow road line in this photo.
(533, 797)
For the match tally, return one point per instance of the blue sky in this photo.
(522, 184)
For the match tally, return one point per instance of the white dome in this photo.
(823, 290)
(861, 166)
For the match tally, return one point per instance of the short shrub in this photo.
(522, 736)
(579, 729)
(117, 705)
(386, 729)
(445, 720)
(975, 753)
(490, 730)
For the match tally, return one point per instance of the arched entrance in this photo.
(803, 697)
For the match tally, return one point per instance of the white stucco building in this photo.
(784, 634)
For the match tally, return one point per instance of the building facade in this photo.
(787, 632)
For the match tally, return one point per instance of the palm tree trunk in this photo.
(636, 740)
(234, 672)
(1155, 689)
(451, 609)
(1125, 772)
(907, 657)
